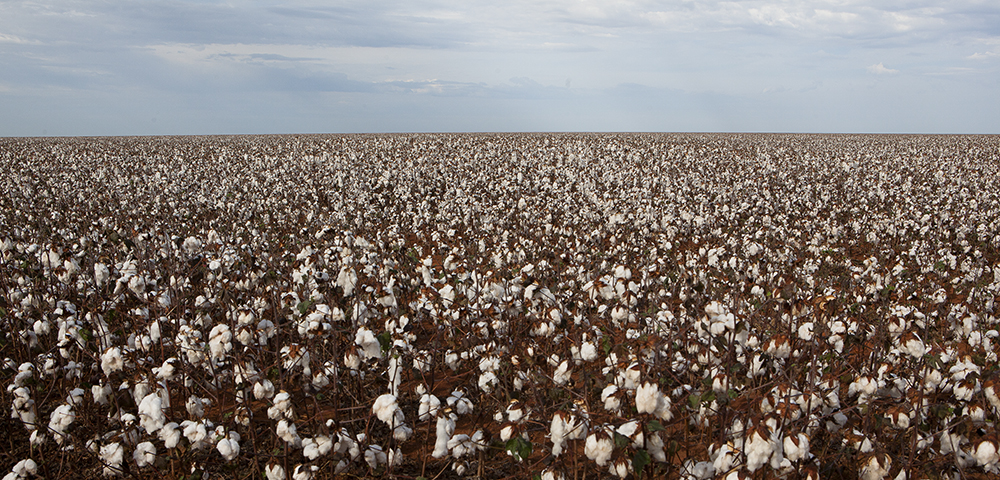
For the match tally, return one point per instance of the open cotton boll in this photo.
(444, 430)
(229, 446)
(112, 361)
(302, 472)
(429, 405)
(460, 402)
(196, 433)
(60, 420)
(144, 454)
(282, 407)
(487, 380)
(263, 389)
(612, 402)
(274, 471)
(101, 274)
(22, 470)
(170, 435)
(195, 406)
(385, 408)
(598, 448)
(557, 432)
(562, 374)
(759, 448)
(375, 456)
(796, 447)
(461, 445)
(151, 416)
(987, 456)
(112, 456)
(287, 432)
(876, 467)
(220, 342)
(370, 346)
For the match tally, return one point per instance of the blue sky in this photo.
(83, 67)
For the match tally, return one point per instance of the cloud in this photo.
(5, 38)
(983, 55)
(879, 69)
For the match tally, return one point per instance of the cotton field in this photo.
(501, 306)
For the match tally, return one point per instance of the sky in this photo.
(139, 67)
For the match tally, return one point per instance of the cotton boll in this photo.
(144, 454)
(461, 445)
(550, 474)
(796, 447)
(875, 467)
(101, 274)
(394, 457)
(75, 397)
(274, 471)
(60, 420)
(220, 342)
(287, 432)
(282, 407)
(375, 456)
(111, 361)
(303, 472)
(195, 406)
(429, 405)
(621, 467)
(385, 408)
(196, 433)
(557, 432)
(444, 430)
(598, 448)
(612, 402)
(263, 389)
(229, 446)
(460, 402)
(170, 435)
(370, 346)
(112, 456)
(647, 398)
(151, 416)
(656, 448)
(516, 411)
(23, 469)
(806, 331)
(759, 448)
(401, 432)
(487, 380)
(562, 374)
(987, 456)
(166, 371)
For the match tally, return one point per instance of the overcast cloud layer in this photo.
(206, 67)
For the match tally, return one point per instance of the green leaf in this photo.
(639, 461)
(605, 345)
(694, 400)
(385, 340)
(621, 441)
(655, 426)
(305, 306)
(519, 448)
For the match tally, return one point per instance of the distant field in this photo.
(565, 306)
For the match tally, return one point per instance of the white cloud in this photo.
(983, 55)
(879, 69)
(6, 38)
